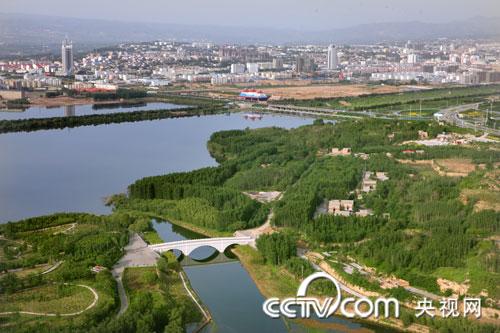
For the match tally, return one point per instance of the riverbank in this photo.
(276, 281)
(197, 229)
(29, 125)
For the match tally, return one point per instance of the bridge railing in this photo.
(203, 241)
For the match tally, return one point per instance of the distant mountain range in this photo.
(26, 34)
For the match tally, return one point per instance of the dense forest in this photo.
(409, 235)
(197, 197)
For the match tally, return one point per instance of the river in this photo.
(73, 169)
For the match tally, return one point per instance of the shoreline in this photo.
(36, 124)
(266, 290)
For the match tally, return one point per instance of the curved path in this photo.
(205, 314)
(54, 267)
(96, 298)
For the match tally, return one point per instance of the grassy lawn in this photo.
(168, 285)
(272, 281)
(34, 270)
(152, 237)
(48, 299)
(137, 279)
(42, 323)
(198, 229)
(480, 278)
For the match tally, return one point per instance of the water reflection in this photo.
(82, 110)
(215, 258)
(74, 169)
(69, 110)
(232, 297)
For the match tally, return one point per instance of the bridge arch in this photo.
(188, 246)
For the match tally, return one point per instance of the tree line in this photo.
(35, 124)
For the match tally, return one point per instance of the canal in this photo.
(231, 296)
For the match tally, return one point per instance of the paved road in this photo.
(137, 254)
(256, 232)
(57, 264)
(451, 115)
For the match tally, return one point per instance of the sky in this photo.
(288, 14)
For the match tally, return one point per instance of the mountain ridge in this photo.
(25, 30)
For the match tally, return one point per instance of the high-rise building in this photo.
(277, 63)
(67, 57)
(252, 67)
(333, 59)
(304, 64)
(237, 68)
(412, 58)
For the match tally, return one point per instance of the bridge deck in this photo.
(189, 245)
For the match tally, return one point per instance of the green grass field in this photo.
(48, 299)
(474, 272)
(152, 237)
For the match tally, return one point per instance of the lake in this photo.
(74, 169)
(82, 110)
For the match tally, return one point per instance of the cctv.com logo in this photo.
(302, 306)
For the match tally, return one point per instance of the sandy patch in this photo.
(461, 167)
(446, 167)
(456, 288)
(327, 91)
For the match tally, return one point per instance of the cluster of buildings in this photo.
(163, 63)
(438, 63)
(341, 207)
(346, 207)
(370, 179)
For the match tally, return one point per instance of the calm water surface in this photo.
(81, 110)
(233, 299)
(74, 169)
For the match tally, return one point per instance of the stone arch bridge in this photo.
(188, 246)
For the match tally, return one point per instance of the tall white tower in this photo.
(67, 57)
(333, 59)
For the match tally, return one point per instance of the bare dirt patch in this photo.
(457, 288)
(456, 167)
(485, 199)
(446, 167)
(486, 194)
(327, 91)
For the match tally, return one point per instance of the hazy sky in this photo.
(299, 14)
